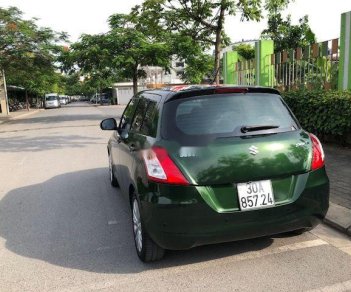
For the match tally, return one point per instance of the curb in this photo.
(9, 118)
(339, 218)
(25, 114)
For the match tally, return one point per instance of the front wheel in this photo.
(147, 249)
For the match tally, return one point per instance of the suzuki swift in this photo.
(204, 165)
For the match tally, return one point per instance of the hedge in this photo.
(325, 113)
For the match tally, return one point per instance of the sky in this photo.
(82, 16)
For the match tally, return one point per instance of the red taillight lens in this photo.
(161, 168)
(317, 153)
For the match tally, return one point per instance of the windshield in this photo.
(225, 116)
(51, 97)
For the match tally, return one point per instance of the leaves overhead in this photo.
(203, 20)
(286, 35)
(120, 53)
(28, 52)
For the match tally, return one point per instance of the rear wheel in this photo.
(113, 179)
(146, 248)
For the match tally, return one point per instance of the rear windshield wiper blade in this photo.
(245, 129)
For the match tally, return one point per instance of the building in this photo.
(156, 77)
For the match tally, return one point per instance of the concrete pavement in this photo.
(338, 163)
(18, 114)
(64, 228)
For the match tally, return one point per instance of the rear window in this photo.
(224, 116)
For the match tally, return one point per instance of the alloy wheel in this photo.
(138, 237)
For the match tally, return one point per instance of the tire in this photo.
(146, 248)
(113, 179)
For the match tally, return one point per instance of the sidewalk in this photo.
(338, 164)
(17, 114)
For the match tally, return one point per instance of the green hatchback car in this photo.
(204, 165)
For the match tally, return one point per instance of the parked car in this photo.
(51, 100)
(215, 164)
(63, 99)
(105, 100)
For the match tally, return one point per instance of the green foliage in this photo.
(247, 51)
(322, 112)
(198, 68)
(286, 35)
(28, 52)
(203, 20)
(118, 54)
(199, 65)
(90, 58)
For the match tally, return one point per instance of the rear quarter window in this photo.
(128, 114)
(149, 125)
(146, 117)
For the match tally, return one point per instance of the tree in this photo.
(198, 64)
(134, 48)
(28, 52)
(120, 53)
(286, 35)
(203, 20)
(91, 59)
(247, 51)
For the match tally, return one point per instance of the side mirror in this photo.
(108, 124)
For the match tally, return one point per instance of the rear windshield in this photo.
(215, 116)
(52, 97)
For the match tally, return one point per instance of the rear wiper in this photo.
(245, 129)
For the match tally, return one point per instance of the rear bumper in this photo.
(52, 105)
(178, 218)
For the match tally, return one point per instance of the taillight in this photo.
(317, 153)
(161, 168)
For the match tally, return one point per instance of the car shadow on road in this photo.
(77, 220)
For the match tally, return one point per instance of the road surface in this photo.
(64, 228)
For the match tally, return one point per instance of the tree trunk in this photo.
(218, 44)
(27, 101)
(135, 81)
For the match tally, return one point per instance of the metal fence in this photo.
(314, 66)
(246, 72)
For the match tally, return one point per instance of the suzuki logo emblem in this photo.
(253, 150)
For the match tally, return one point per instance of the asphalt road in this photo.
(64, 228)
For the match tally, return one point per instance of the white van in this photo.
(51, 101)
(63, 99)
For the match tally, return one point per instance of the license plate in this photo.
(255, 195)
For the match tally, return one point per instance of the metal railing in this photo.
(314, 66)
(311, 67)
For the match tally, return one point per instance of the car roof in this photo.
(182, 91)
